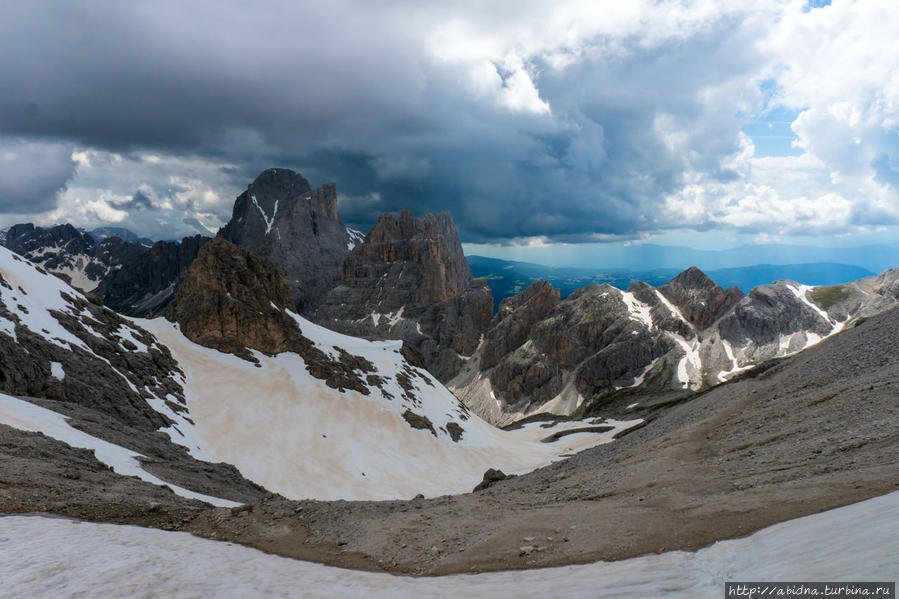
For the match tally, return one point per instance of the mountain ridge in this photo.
(508, 277)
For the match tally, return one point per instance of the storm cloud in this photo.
(584, 122)
(32, 174)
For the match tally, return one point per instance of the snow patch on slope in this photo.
(57, 371)
(291, 433)
(355, 238)
(268, 221)
(31, 295)
(689, 368)
(735, 367)
(638, 310)
(27, 416)
(671, 307)
(638, 380)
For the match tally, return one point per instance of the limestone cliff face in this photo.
(419, 259)
(232, 300)
(516, 316)
(298, 228)
(409, 280)
(235, 301)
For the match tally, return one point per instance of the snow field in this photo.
(291, 433)
(44, 557)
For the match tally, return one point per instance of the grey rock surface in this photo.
(131, 277)
(409, 280)
(298, 228)
(600, 342)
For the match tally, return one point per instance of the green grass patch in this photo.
(829, 295)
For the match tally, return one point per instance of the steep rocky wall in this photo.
(409, 280)
(298, 228)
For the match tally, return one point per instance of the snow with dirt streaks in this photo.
(27, 416)
(291, 433)
(51, 557)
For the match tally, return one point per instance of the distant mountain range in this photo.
(645, 257)
(507, 278)
(101, 233)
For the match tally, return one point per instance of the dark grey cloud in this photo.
(138, 201)
(32, 175)
(349, 93)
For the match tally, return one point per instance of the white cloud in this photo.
(102, 191)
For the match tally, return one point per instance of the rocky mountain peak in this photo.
(280, 180)
(256, 208)
(23, 238)
(693, 278)
(409, 280)
(538, 296)
(421, 259)
(699, 298)
(298, 228)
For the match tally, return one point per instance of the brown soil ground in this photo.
(802, 435)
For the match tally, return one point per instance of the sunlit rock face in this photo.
(541, 354)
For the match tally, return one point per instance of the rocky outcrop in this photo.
(544, 355)
(131, 277)
(409, 280)
(235, 302)
(232, 300)
(58, 344)
(298, 228)
(700, 300)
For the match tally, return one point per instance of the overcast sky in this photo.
(531, 123)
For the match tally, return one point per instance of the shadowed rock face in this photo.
(409, 280)
(148, 278)
(298, 228)
(132, 278)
